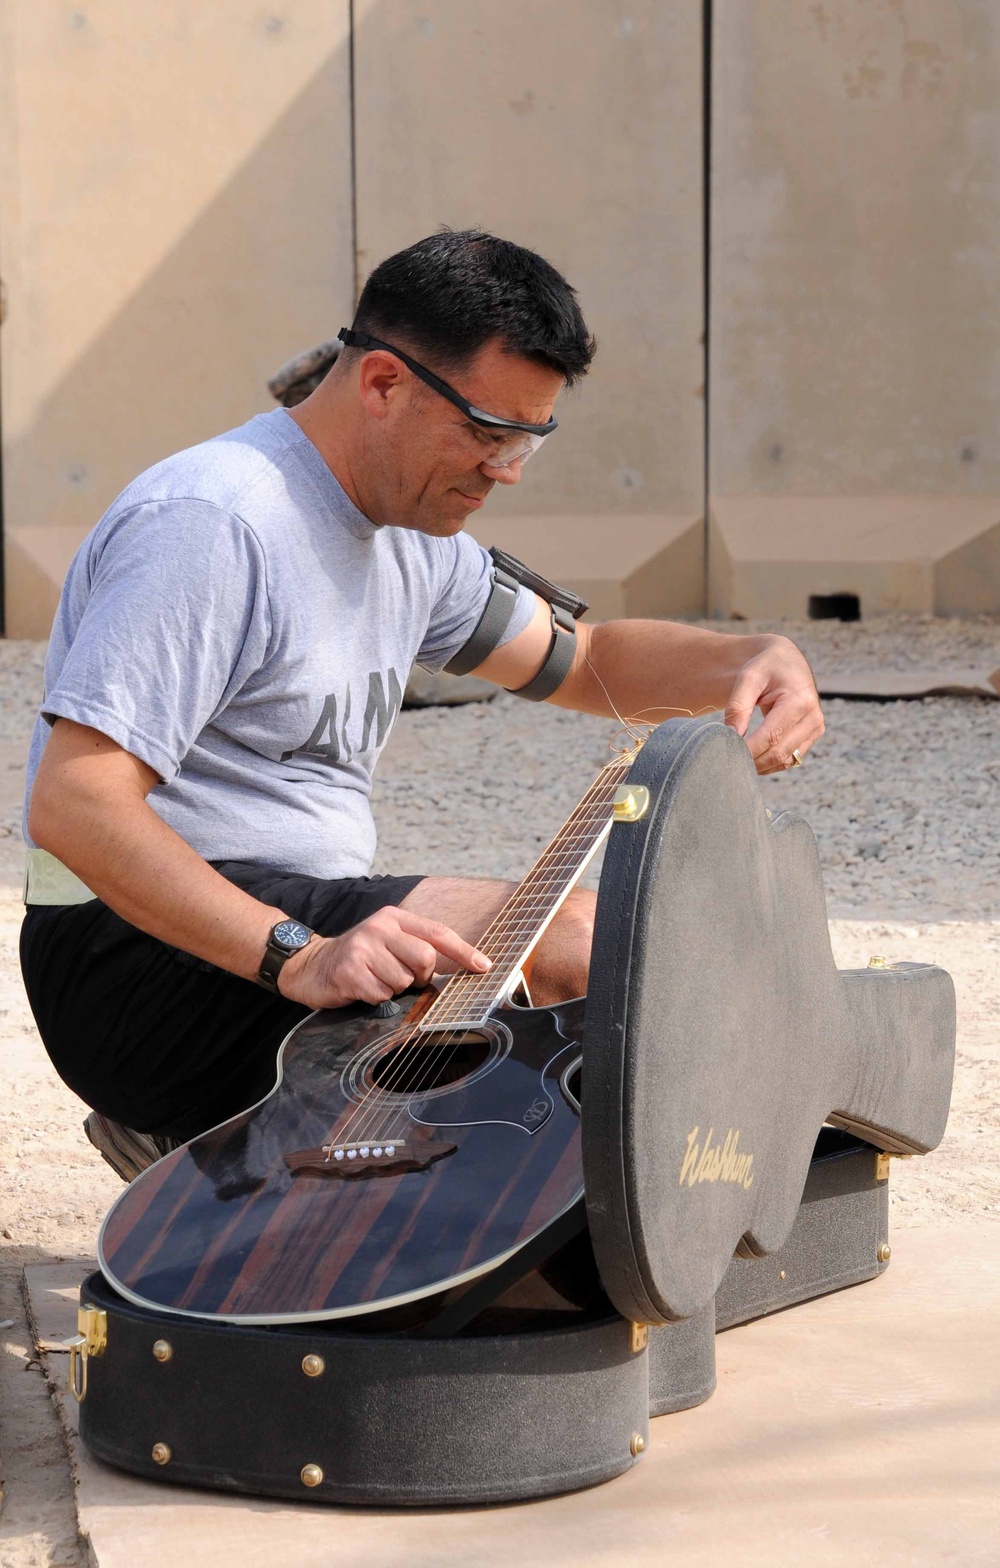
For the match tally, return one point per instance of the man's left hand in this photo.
(779, 682)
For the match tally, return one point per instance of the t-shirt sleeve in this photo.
(460, 603)
(170, 611)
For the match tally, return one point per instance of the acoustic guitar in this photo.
(397, 1158)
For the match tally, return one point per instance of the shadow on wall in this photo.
(262, 272)
(267, 270)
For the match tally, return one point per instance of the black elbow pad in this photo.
(567, 607)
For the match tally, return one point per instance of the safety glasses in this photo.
(508, 440)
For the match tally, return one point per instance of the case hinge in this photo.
(882, 1163)
(638, 1337)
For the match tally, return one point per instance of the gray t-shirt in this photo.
(236, 623)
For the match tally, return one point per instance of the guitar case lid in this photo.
(720, 1036)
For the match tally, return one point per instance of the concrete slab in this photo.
(863, 1422)
(919, 554)
(946, 681)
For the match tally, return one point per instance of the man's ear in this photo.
(381, 377)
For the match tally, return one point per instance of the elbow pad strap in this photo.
(492, 624)
(558, 660)
(508, 574)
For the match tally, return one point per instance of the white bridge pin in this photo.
(390, 1148)
(376, 1152)
(352, 1154)
(338, 1154)
(364, 1152)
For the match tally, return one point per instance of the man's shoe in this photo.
(126, 1151)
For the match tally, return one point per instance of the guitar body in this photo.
(388, 1164)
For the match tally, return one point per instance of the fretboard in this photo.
(468, 998)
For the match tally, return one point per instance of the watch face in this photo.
(291, 934)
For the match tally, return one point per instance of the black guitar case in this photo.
(738, 1094)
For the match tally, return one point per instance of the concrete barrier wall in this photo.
(175, 219)
(176, 216)
(576, 130)
(854, 323)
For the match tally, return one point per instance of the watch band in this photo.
(276, 955)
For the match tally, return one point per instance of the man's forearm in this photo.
(88, 807)
(655, 670)
(95, 819)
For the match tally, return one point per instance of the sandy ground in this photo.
(904, 799)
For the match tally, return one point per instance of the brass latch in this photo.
(631, 803)
(89, 1340)
(638, 1337)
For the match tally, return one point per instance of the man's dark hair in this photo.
(448, 295)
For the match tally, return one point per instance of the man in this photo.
(226, 663)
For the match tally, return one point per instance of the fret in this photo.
(468, 998)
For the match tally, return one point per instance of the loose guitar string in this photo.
(566, 847)
(510, 926)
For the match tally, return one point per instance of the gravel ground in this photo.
(904, 797)
(904, 800)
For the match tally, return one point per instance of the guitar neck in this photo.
(469, 998)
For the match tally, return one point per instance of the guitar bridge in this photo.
(353, 1161)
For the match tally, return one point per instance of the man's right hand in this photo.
(387, 953)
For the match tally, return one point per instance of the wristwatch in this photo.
(287, 938)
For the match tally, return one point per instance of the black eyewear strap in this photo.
(354, 339)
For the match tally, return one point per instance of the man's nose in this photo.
(509, 474)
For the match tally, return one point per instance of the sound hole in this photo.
(436, 1060)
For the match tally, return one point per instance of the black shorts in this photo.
(155, 1038)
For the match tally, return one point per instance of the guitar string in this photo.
(475, 984)
(477, 993)
(637, 734)
(511, 918)
(468, 998)
(442, 1037)
(514, 921)
(466, 1008)
(470, 1008)
(472, 996)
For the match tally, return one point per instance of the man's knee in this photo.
(576, 919)
(468, 905)
(562, 958)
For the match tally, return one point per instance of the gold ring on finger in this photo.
(796, 761)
